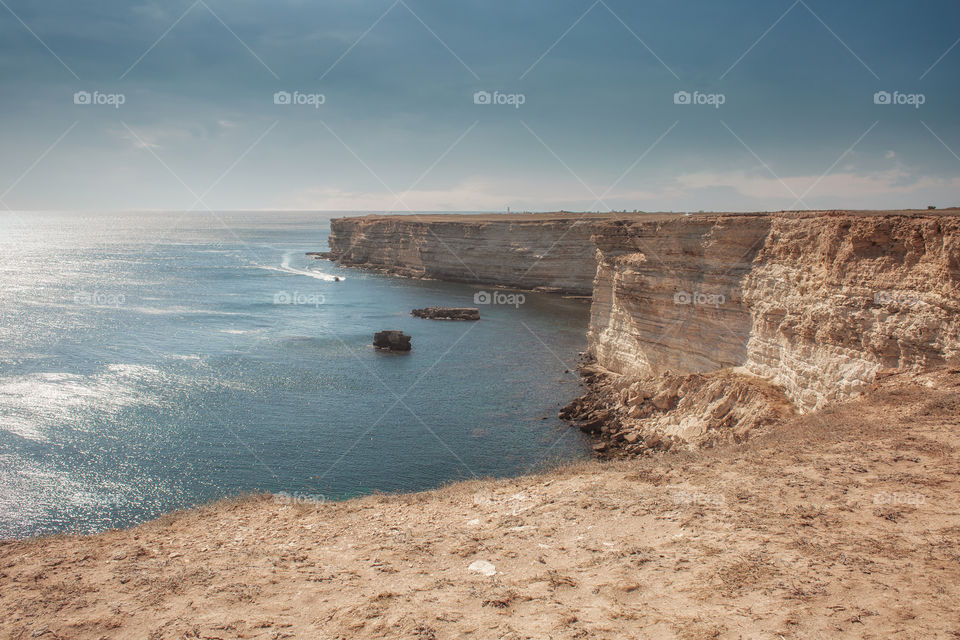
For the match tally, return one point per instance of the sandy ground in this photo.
(839, 525)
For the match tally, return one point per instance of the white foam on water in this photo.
(175, 310)
(286, 268)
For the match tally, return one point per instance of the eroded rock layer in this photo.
(816, 303)
(550, 252)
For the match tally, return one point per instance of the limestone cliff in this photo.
(815, 302)
(535, 251)
(706, 326)
(834, 299)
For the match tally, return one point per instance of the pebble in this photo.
(483, 567)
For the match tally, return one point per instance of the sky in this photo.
(474, 105)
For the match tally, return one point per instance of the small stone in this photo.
(483, 567)
(664, 400)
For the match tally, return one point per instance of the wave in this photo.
(178, 310)
(286, 268)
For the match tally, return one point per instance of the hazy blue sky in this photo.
(598, 127)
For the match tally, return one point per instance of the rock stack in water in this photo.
(447, 313)
(391, 341)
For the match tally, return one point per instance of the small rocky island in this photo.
(447, 313)
(391, 341)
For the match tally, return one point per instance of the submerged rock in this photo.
(447, 313)
(391, 341)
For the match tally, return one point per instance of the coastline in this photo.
(835, 519)
(708, 326)
(418, 320)
(855, 535)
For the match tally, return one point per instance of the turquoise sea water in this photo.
(154, 361)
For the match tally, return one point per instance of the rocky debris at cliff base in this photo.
(391, 341)
(674, 411)
(447, 313)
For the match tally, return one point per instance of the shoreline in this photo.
(855, 535)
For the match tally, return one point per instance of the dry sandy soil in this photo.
(838, 525)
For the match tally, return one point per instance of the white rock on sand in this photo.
(484, 567)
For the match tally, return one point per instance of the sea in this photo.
(155, 361)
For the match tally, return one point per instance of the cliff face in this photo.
(527, 252)
(814, 303)
(704, 327)
(667, 294)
